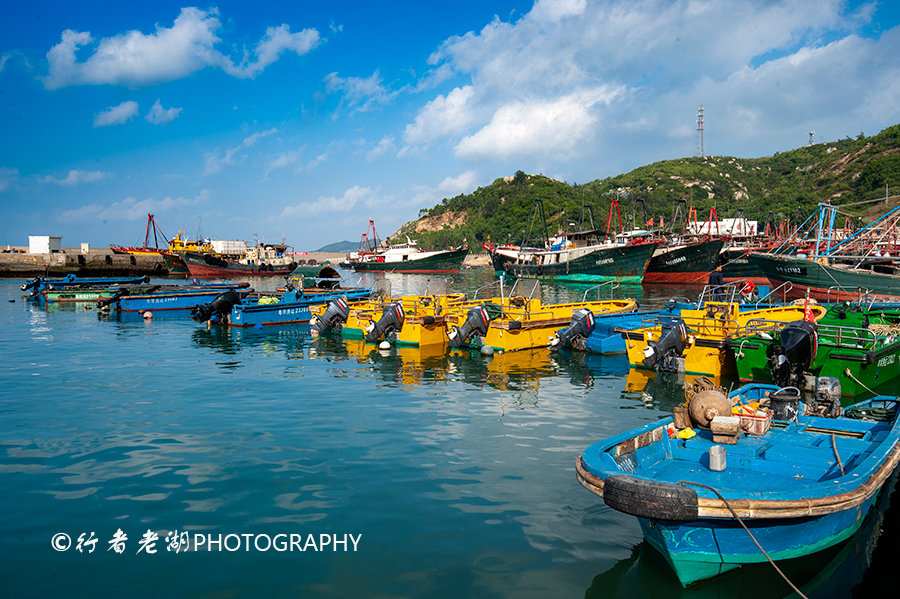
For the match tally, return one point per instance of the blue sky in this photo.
(305, 119)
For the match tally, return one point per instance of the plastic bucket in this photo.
(785, 404)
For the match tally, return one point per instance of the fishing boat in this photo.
(170, 300)
(857, 345)
(782, 490)
(376, 255)
(834, 264)
(145, 249)
(413, 320)
(291, 307)
(261, 260)
(697, 340)
(683, 261)
(585, 255)
(40, 284)
(520, 320)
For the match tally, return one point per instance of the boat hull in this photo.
(184, 301)
(626, 263)
(736, 266)
(825, 282)
(206, 265)
(690, 264)
(297, 311)
(449, 261)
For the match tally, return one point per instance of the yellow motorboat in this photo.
(696, 341)
(516, 323)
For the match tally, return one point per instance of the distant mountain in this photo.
(852, 173)
(339, 246)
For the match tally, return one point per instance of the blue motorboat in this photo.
(183, 298)
(792, 488)
(39, 284)
(292, 307)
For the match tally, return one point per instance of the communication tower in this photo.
(700, 151)
(811, 135)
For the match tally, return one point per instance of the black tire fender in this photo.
(650, 499)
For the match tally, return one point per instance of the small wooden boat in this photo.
(858, 345)
(292, 307)
(39, 284)
(182, 298)
(798, 487)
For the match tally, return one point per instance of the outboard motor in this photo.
(828, 397)
(664, 354)
(335, 316)
(476, 323)
(220, 306)
(792, 357)
(578, 330)
(33, 284)
(391, 321)
(103, 303)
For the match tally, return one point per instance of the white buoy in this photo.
(384, 345)
(487, 350)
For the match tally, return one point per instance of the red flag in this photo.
(807, 311)
(649, 223)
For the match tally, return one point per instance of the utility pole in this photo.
(700, 151)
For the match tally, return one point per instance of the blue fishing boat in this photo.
(39, 284)
(292, 307)
(174, 299)
(790, 489)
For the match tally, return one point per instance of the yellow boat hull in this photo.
(707, 351)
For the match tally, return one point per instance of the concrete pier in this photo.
(94, 263)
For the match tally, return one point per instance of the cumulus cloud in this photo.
(599, 81)
(217, 160)
(130, 209)
(160, 116)
(136, 59)
(423, 195)
(354, 196)
(556, 126)
(116, 115)
(76, 177)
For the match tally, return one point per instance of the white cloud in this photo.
(76, 177)
(382, 148)
(130, 209)
(116, 115)
(525, 87)
(443, 116)
(423, 195)
(170, 53)
(331, 205)
(215, 161)
(361, 94)
(160, 116)
(556, 126)
(8, 176)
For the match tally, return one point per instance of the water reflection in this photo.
(663, 390)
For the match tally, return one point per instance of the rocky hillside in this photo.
(789, 185)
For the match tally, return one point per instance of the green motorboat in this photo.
(856, 344)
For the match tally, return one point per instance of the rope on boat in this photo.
(857, 381)
(741, 522)
(836, 454)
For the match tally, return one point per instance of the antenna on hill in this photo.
(700, 151)
(812, 134)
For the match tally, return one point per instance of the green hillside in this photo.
(338, 247)
(786, 186)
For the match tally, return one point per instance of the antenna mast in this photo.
(700, 151)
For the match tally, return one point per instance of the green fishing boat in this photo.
(855, 344)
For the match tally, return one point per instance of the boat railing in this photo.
(612, 285)
(781, 290)
(847, 336)
(863, 295)
(697, 325)
(728, 292)
(520, 286)
(757, 326)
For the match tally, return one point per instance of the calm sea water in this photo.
(453, 473)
